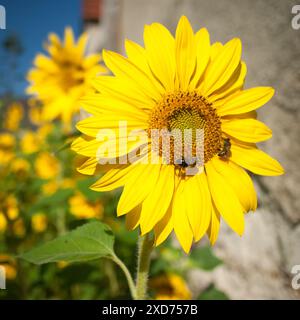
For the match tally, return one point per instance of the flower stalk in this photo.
(144, 255)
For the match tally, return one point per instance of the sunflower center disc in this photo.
(186, 115)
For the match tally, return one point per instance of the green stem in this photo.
(144, 253)
(61, 222)
(127, 275)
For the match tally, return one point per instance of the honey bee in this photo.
(225, 151)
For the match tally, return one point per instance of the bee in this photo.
(186, 167)
(225, 151)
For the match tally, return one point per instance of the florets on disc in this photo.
(188, 110)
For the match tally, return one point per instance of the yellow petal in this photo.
(122, 90)
(88, 167)
(181, 223)
(226, 201)
(156, 204)
(203, 50)
(198, 204)
(137, 55)
(160, 49)
(185, 49)
(133, 218)
(239, 181)
(97, 104)
(126, 70)
(255, 160)
(114, 178)
(235, 83)
(246, 100)
(164, 227)
(214, 226)
(81, 44)
(249, 130)
(92, 126)
(69, 38)
(222, 68)
(138, 188)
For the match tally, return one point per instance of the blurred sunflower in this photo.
(7, 146)
(13, 116)
(170, 286)
(46, 166)
(39, 222)
(10, 266)
(61, 79)
(81, 208)
(30, 142)
(179, 83)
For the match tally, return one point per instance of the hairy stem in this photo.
(144, 252)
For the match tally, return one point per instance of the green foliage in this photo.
(212, 293)
(172, 260)
(91, 241)
(204, 258)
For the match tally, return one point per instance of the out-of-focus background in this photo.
(258, 265)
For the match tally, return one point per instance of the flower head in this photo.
(39, 222)
(170, 286)
(46, 166)
(13, 116)
(182, 83)
(81, 208)
(61, 78)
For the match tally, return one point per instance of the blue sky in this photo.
(32, 20)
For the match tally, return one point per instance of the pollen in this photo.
(180, 111)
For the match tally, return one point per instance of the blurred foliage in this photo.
(212, 293)
(11, 49)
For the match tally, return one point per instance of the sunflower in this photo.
(60, 79)
(170, 286)
(182, 82)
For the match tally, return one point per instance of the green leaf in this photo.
(204, 258)
(212, 293)
(91, 241)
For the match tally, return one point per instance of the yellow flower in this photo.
(62, 78)
(46, 166)
(182, 83)
(39, 222)
(7, 141)
(10, 266)
(19, 228)
(6, 157)
(170, 287)
(10, 207)
(83, 209)
(3, 222)
(50, 187)
(35, 115)
(13, 116)
(20, 166)
(7, 144)
(30, 142)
